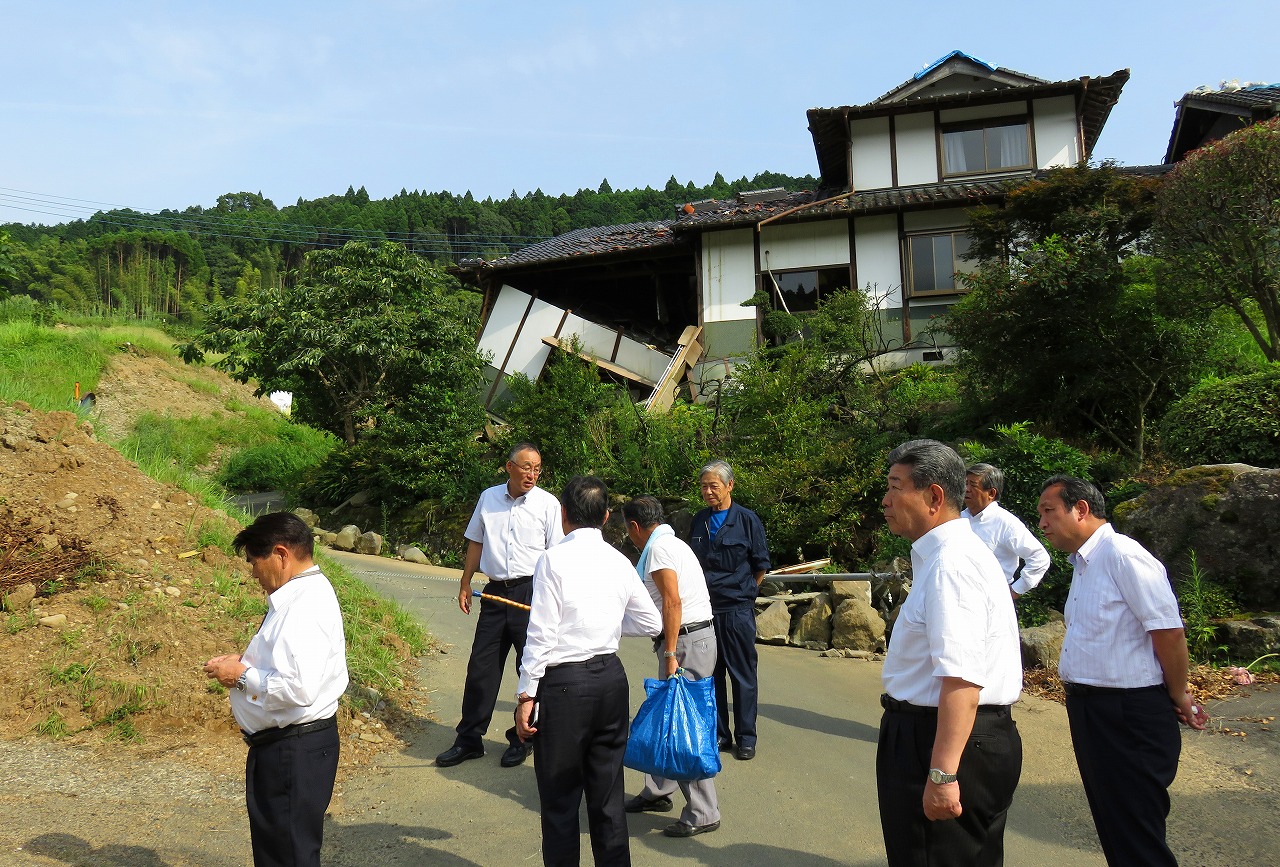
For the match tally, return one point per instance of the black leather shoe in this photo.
(516, 754)
(726, 745)
(744, 752)
(456, 755)
(641, 804)
(684, 829)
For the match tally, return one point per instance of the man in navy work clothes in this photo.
(513, 524)
(284, 693)
(730, 544)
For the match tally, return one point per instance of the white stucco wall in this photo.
(728, 275)
(804, 245)
(879, 258)
(872, 156)
(1055, 132)
(917, 145)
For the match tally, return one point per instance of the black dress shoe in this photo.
(684, 829)
(516, 754)
(726, 745)
(456, 755)
(641, 804)
(744, 752)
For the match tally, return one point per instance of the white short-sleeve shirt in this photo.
(670, 552)
(957, 621)
(1119, 594)
(1011, 542)
(514, 531)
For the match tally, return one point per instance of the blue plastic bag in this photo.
(674, 732)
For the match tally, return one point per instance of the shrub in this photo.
(280, 464)
(1225, 421)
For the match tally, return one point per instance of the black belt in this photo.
(694, 627)
(512, 582)
(598, 658)
(1089, 689)
(890, 703)
(270, 736)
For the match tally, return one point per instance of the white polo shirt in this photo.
(669, 552)
(1011, 541)
(514, 531)
(1119, 593)
(957, 621)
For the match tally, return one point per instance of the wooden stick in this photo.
(501, 599)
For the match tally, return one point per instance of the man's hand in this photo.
(524, 713)
(941, 801)
(672, 666)
(465, 597)
(1189, 714)
(225, 669)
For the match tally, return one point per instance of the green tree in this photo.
(1218, 230)
(372, 341)
(1060, 325)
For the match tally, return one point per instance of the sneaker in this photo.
(684, 829)
(641, 804)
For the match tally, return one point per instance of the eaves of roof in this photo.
(594, 242)
(830, 126)
(1250, 104)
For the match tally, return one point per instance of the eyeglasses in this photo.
(528, 469)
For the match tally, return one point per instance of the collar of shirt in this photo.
(928, 545)
(584, 533)
(286, 593)
(989, 512)
(1086, 551)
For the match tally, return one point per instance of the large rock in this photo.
(1247, 640)
(842, 590)
(20, 597)
(773, 625)
(369, 543)
(346, 538)
(1228, 515)
(1042, 645)
(308, 517)
(413, 554)
(813, 629)
(857, 626)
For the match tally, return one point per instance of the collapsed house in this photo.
(660, 305)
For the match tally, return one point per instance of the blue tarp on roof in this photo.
(941, 60)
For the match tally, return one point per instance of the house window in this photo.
(803, 290)
(995, 145)
(933, 261)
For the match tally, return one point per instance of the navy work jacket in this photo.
(731, 560)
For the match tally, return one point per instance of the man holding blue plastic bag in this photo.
(674, 579)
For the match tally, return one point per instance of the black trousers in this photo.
(288, 785)
(1127, 746)
(583, 722)
(500, 629)
(736, 642)
(988, 775)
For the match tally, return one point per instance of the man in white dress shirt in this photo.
(949, 755)
(573, 689)
(513, 523)
(674, 579)
(284, 693)
(1008, 538)
(1124, 670)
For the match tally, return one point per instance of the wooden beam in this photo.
(566, 346)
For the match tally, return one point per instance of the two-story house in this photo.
(649, 302)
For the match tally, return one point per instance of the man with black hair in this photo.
(513, 523)
(284, 693)
(949, 755)
(573, 689)
(1124, 671)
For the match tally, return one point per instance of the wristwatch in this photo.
(240, 681)
(939, 778)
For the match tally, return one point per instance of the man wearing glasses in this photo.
(512, 525)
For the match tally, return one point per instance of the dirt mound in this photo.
(117, 587)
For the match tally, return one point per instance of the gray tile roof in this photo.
(1196, 118)
(596, 241)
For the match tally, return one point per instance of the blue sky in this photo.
(157, 105)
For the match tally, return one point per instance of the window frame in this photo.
(908, 257)
(1024, 119)
(813, 269)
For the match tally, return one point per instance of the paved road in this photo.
(808, 798)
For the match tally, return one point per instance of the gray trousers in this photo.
(696, 653)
